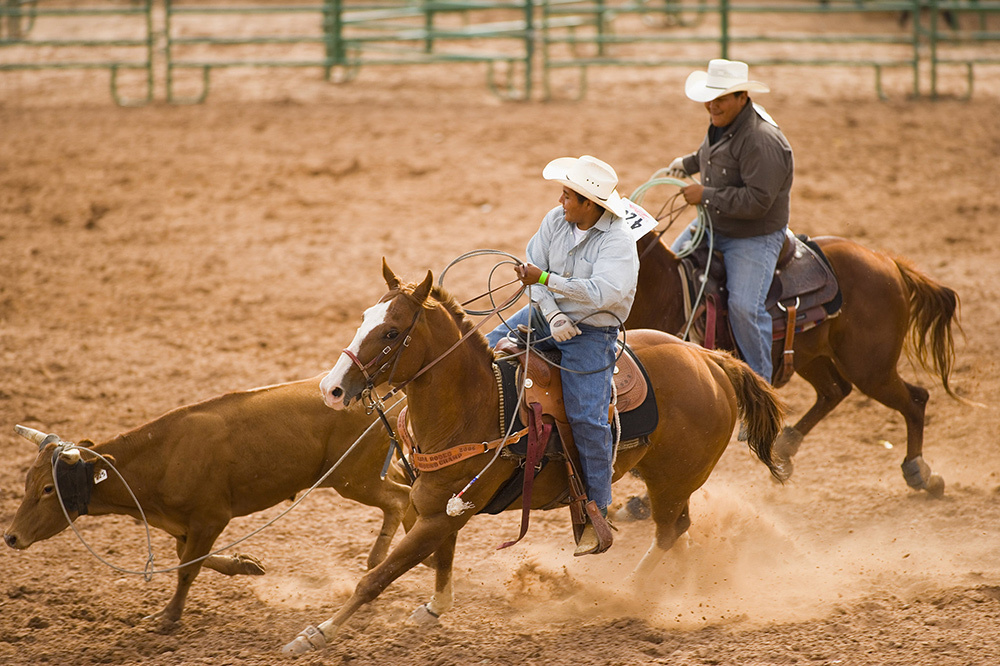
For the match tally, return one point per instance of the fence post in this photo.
(529, 45)
(333, 33)
(933, 46)
(428, 27)
(724, 28)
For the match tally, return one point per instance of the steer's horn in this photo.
(70, 456)
(36, 436)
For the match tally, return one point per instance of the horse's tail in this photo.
(760, 408)
(933, 308)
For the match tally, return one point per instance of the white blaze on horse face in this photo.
(334, 394)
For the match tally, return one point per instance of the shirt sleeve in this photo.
(691, 164)
(538, 254)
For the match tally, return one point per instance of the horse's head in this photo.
(378, 353)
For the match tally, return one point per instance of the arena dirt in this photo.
(156, 256)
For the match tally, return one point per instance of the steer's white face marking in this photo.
(333, 394)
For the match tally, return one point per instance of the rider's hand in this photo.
(692, 193)
(676, 169)
(562, 327)
(528, 274)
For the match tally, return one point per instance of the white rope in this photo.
(703, 225)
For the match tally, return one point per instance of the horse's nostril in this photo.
(337, 392)
(10, 539)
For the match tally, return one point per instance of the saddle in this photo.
(632, 397)
(803, 294)
(633, 402)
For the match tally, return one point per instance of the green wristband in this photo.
(543, 278)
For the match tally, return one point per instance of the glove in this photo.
(676, 169)
(562, 327)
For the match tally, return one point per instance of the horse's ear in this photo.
(390, 278)
(423, 289)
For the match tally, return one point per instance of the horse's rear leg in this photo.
(672, 520)
(831, 388)
(910, 401)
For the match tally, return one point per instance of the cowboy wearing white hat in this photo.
(589, 176)
(582, 271)
(723, 77)
(746, 168)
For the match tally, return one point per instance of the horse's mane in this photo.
(441, 296)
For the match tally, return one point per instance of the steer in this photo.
(195, 468)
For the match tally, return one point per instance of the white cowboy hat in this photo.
(723, 77)
(589, 177)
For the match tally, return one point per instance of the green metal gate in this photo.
(85, 35)
(340, 37)
(517, 40)
(691, 32)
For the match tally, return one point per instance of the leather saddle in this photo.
(632, 399)
(803, 294)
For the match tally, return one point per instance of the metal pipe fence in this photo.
(340, 37)
(98, 35)
(519, 41)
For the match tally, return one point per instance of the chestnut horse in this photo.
(418, 338)
(887, 304)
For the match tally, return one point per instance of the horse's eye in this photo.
(392, 334)
(48, 490)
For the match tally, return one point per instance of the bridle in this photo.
(392, 353)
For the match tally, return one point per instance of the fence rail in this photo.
(517, 40)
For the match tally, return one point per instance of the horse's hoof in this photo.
(783, 469)
(935, 486)
(636, 508)
(249, 565)
(309, 639)
(424, 616)
(784, 449)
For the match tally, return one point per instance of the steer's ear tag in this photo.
(100, 476)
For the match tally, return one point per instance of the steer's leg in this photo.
(429, 534)
(197, 543)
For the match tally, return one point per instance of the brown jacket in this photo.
(747, 176)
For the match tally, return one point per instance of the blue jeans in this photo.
(750, 266)
(586, 397)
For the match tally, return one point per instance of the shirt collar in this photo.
(604, 223)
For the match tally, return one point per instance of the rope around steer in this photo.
(149, 571)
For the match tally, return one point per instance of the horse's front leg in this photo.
(444, 596)
(425, 538)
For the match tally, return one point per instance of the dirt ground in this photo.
(152, 257)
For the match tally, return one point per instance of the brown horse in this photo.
(887, 303)
(413, 337)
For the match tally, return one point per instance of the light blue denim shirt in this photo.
(599, 273)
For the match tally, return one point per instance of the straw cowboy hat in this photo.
(723, 77)
(589, 177)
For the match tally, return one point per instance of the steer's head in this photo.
(40, 515)
(378, 352)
